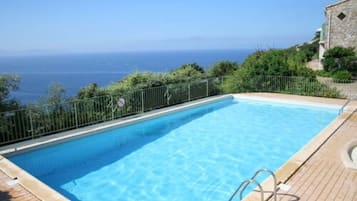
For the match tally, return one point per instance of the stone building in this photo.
(340, 27)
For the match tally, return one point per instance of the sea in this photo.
(74, 71)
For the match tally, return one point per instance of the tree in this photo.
(56, 95)
(242, 80)
(90, 91)
(223, 68)
(8, 83)
(266, 70)
(195, 66)
(136, 81)
(272, 62)
(185, 72)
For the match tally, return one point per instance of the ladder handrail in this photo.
(274, 178)
(343, 106)
(245, 184)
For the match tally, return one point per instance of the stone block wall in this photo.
(341, 24)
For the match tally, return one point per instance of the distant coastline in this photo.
(32, 53)
(77, 70)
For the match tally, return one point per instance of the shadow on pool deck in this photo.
(4, 195)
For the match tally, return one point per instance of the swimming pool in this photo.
(198, 154)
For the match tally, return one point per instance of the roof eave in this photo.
(335, 4)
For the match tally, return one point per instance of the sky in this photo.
(139, 25)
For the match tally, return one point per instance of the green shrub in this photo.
(185, 73)
(90, 91)
(136, 80)
(323, 73)
(223, 68)
(342, 76)
(8, 83)
(340, 58)
(241, 81)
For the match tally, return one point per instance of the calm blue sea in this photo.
(74, 71)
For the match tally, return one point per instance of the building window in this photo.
(341, 16)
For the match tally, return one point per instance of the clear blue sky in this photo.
(131, 25)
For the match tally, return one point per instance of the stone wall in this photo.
(341, 24)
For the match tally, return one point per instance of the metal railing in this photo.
(38, 120)
(307, 86)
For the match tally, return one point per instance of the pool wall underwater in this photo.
(129, 134)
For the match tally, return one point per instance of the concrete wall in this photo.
(341, 32)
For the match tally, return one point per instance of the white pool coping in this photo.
(287, 102)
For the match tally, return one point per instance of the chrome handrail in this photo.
(343, 106)
(246, 183)
(274, 178)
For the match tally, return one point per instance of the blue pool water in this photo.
(197, 154)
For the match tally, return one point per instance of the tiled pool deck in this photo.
(315, 173)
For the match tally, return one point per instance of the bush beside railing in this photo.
(282, 84)
(296, 85)
(39, 120)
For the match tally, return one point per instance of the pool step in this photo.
(252, 180)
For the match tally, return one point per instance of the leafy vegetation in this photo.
(323, 73)
(187, 72)
(135, 81)
(90, 91)
(223, 68)
(342, 76)
(8, 83)
(340, 58)
(275, 71)
(56, 94)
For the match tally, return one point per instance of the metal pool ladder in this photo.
(344, 105)
(354, 97)
(252, 180)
